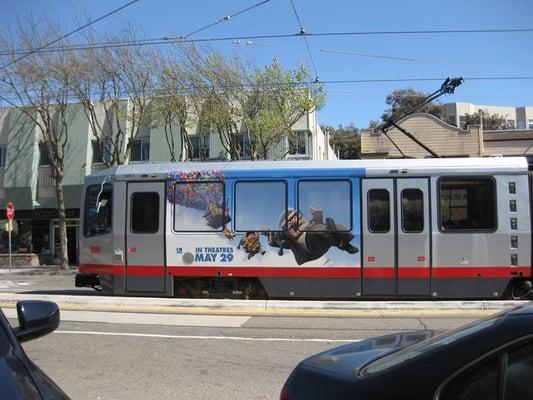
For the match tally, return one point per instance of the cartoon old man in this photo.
(309, 240)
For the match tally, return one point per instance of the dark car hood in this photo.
(349, 359)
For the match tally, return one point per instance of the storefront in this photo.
(37, 231)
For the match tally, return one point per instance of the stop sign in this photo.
(10, 211)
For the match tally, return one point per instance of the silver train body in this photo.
(424, 228)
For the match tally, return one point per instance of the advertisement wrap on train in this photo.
(432, 228)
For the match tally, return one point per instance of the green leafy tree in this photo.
(490, 121)
(402, 101)
(346, 141)
(276, 100)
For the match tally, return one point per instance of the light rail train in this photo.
(412, 228)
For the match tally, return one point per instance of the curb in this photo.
(224, 306)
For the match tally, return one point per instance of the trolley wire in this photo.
(303, 34)
(30, 52)
(178, 39)
(332, 51)
(224, 19)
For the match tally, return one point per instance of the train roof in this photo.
(369, 168)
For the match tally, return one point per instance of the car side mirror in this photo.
(36, 318)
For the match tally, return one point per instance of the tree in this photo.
(217, 92)
(172, 106)
(402, 101)
(117, 82)
(346, 141)
(277, 99)
(39, 84)
(490, 121)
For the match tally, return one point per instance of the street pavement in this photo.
(160, 348)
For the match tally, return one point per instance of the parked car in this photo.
(490, 359)
(20, 378)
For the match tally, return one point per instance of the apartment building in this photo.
(515, 117)
(25, 178)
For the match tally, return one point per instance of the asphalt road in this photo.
(151, 356)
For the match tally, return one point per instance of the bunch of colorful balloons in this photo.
(194, 189)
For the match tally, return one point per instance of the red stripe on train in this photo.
(311, 272)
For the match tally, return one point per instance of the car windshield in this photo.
(426, 346)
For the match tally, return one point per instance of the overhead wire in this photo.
(250, 43)
(303, 34)
(30, 52)
(224, 19)
(178, 39)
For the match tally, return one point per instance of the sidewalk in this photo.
(261, 307)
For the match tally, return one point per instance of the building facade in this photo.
(515, 117)
(445, 140)
(25, 178)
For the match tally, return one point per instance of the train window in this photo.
(378, 211)
(98, 207)
(260, 206)
(467, 204)
(412, 211)
(199, 207)
(324, 206)
(144, 212)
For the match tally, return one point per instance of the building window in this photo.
(462, 122)
(261, 206)
(98, 210)
(199, 207)
(467, 204)
(140, 149)
(521, 124)
(145, 212)
(246, 144)
(299, 143)
(44, 159)
(378, 211)
(200, 147)
(530, 124)
(102, 151)
(3, 156)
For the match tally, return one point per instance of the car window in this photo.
(519, 373)
(429, 345)
(479, 382)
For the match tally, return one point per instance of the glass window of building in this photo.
(299, 143)
(140, 149)
(3, 156)
(102, 151)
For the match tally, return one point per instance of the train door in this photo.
(396, 237)
(413, 237)
(145, 237)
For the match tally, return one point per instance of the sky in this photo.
(470, 55)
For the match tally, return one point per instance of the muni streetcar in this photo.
(410, 228)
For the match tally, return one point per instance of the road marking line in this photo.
(220, 321)
(235, 338)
